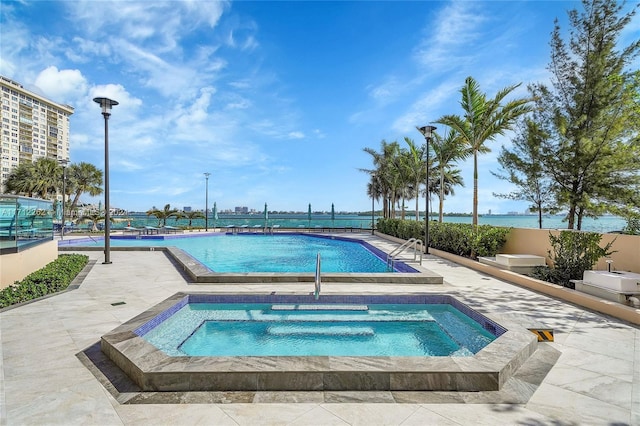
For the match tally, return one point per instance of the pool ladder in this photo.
(316, 293)
(411, 243)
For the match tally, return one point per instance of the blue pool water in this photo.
(239, 329)
(267, 253)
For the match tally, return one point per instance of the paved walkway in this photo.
(589, 375)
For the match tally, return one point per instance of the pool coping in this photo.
(153, 370)
(200, 274)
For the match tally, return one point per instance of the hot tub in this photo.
(154, 370)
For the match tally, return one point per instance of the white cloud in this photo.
(449, 42)
(196, 114)
(163, 23)
(117, 93)
(427, 107)
(296, 135)
(65, 86)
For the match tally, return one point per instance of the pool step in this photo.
(335, 330)
(319, 307)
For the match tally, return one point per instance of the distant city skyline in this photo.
(275, 99)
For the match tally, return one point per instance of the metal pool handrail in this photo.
(316, 294)
(413, 242)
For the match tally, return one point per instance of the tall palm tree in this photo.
(415, 165)
(447, 151)
(402, 179)
(164, 214)
(452, 178)
(83, 178)
(385, 173)
(483, 120)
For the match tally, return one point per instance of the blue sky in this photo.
(275, 99)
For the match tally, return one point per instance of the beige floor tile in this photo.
(267, 414)
(174, 414)
(488, 414)
(372, 414)
(575, 408)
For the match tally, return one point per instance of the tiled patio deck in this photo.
(589, 375)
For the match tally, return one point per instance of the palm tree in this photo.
(83, 178)
(40, 178)
(164, 214)
(193, 215)
(385, 173)
(483, 120)
(48, 176)
(447, 151)
(415, 165)
(94, 218)
(21, 180)
(401, 178)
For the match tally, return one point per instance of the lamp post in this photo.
(206, 202)
(373, 194)
(427, 132)
(106, 104)
(63, 163)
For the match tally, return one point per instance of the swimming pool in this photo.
(154, 370)
(240, 329)
(292, 253)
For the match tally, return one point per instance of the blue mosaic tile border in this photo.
(161, 317)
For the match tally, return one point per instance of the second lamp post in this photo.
(106, 104)
(427, 131)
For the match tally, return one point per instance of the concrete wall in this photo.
(536, 241)
(16, 266)
(618, 310)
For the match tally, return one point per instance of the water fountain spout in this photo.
(609, 262)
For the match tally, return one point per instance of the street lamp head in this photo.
(105, 104)
(427, 131)
(207, 174)
(63, 162)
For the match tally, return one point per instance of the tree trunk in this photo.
(539, 216)
(417, 200)
(571, 216)
(580, 216)
(441, 201)
(475, 188)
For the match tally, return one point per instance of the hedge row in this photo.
(54, 277)
(457, 238)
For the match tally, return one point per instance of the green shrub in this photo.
(456, 238)
(572, 253)
(54, 277)
(633, 226)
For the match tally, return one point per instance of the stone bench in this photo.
(519, 263)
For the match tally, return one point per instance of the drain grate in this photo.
(117, 303)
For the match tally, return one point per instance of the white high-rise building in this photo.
(32, 127)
